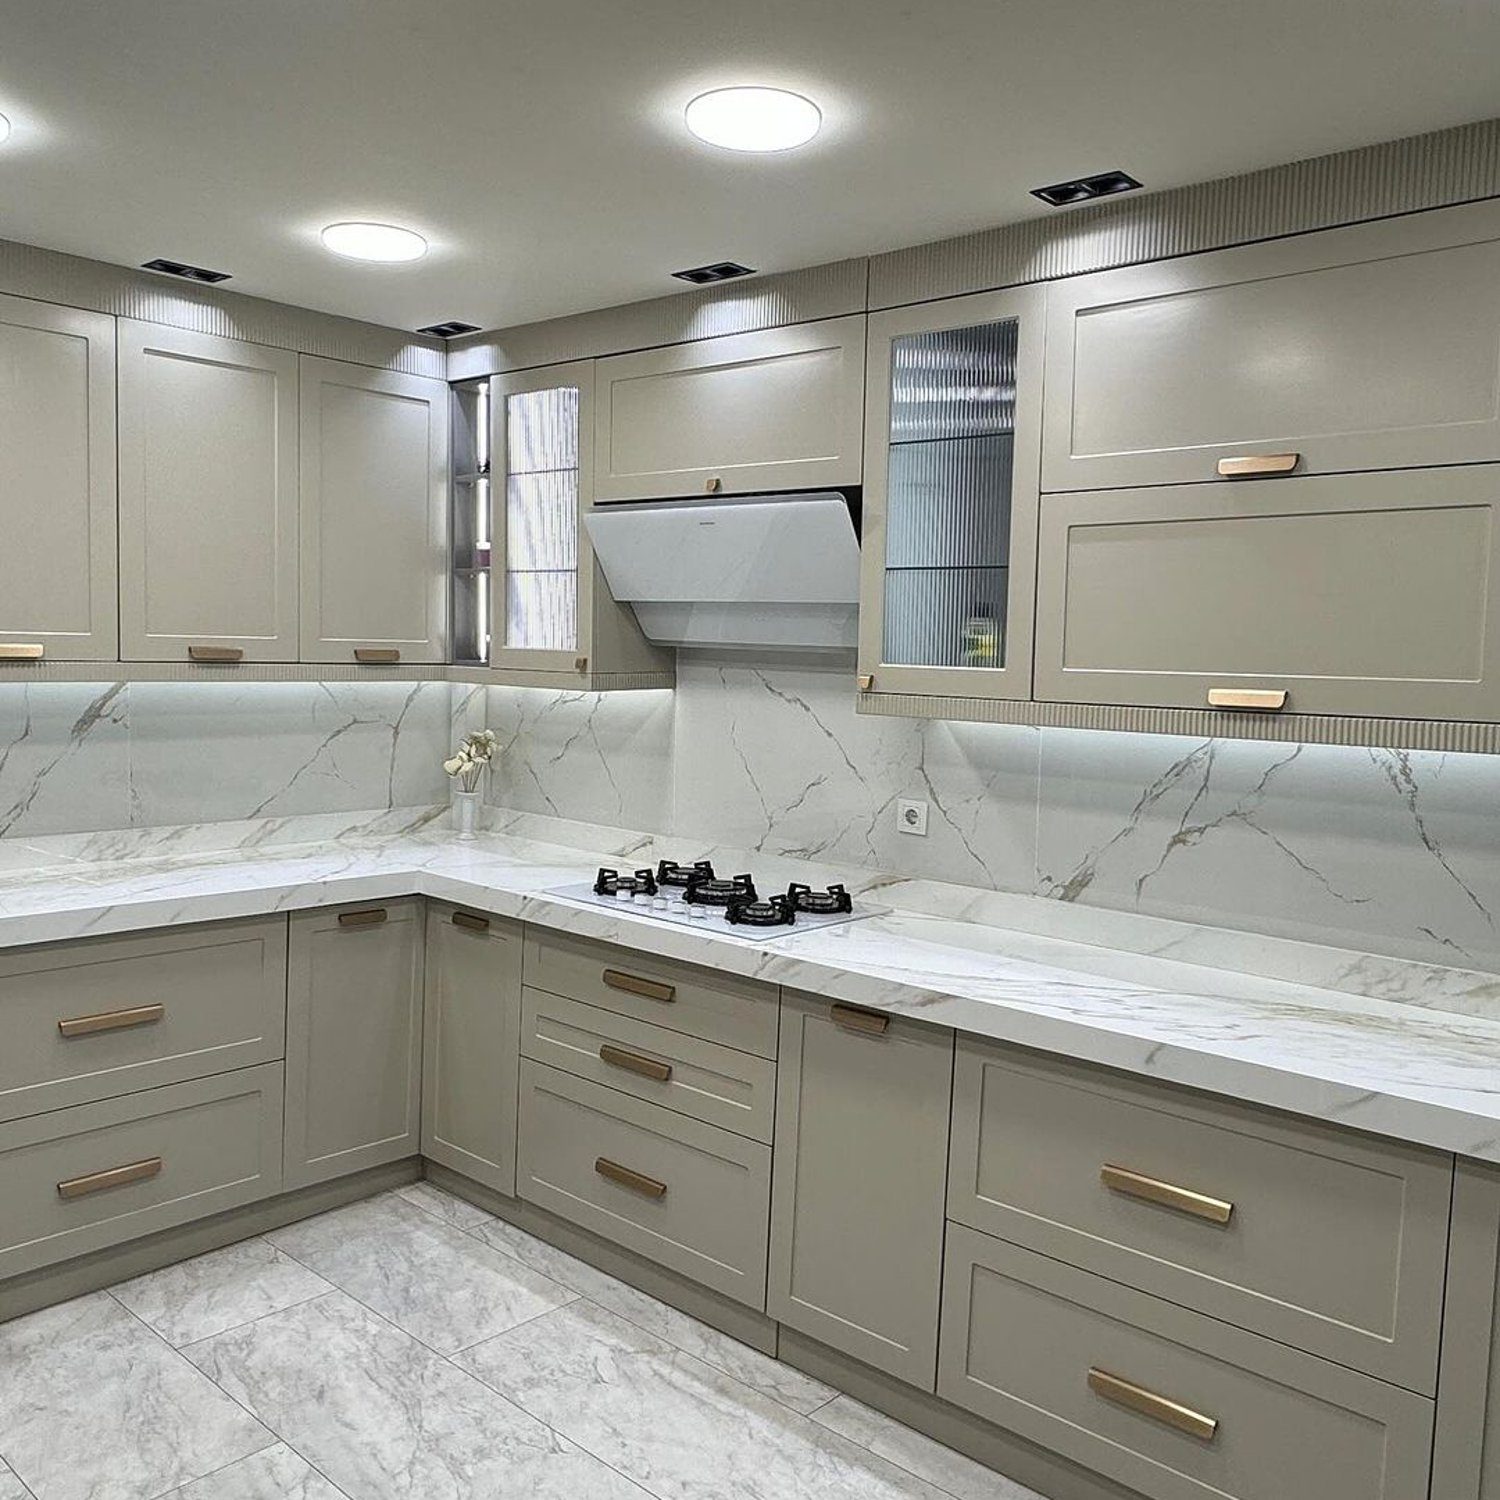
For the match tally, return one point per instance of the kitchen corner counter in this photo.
(1398, 1070)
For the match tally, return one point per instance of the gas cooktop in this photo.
(693, 895)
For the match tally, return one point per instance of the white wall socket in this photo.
(911, 816)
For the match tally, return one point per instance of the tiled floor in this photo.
(411, 1347)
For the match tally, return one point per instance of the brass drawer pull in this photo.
(651, 989)
(713, 485)
(96, 1182)
(1247, 465)
(374, 656)
(111, 1020)
(371, 916)
(1262, 700)
(637, 1181)
(1169, 1195)
(1159, 1408)
(468, 920)
(580, 664)
(852, 1018)
(225, 656)
(866, 682)
(633, 1062)
(24, 651)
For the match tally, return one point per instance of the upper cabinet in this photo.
(208, 497)
(374, 487)
(778, 409)
(1374, 347)
(57, 483)
(950, 501)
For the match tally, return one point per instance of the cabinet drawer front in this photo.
(1318, 1238)
(731, 1089)
(685, 1194)
(1352, 594)
(734, 1012)
(81, 1179)
(1373, 347)
(92, 1019)
(1133, 1387)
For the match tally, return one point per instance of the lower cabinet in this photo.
(861, 1170)
(353, 1039)
(471, 1045)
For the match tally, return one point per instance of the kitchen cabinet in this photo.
(374, 487)
(353, 1039)
(57, 483)
(1356, 594)
(861, 1170)
(553, 620)
(471, 1045)
(778, 409)
(1370, 347)
(208, 497)
(950, 499)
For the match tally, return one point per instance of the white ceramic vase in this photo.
(466, 807)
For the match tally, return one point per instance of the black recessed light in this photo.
(187, 272)
(1082, 189)
(721, 270)
(449, 330)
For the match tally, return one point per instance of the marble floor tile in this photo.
(442, 1205)
(441, 1285)
(915, 1452)
(218, 1291)
(384, 1418)
(681, 1428)
(276, 1474)
(11, 1488)
(139, 1420)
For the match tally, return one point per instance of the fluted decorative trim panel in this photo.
(1198, 723)
(827, 291)
(567, 682)
(268, 671)
(51, 276)
(1373, 182)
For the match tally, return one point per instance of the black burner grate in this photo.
(805, 898)
(611, 883)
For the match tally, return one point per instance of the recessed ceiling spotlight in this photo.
(720, 270)
(183, 269)
(1082, 189)
(384, 242)
(753, 119)
(449, 330)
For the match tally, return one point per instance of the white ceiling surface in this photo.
(539, 143)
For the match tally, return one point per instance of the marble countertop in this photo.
(1427, 1076)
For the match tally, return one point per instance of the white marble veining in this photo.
(275, 1474)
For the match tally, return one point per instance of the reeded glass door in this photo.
(951, 497)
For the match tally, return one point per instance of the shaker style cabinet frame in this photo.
(952, 443)
(57, 483)
(208, 497)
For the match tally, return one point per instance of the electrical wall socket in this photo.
(911, 816)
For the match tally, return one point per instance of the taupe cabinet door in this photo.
(778, 409)
(861, 1170)
(208, 496)
(57, 480)
(353, 1039)
(1352, 593)
(374, 513)
(471, 1047)
(1372, 347)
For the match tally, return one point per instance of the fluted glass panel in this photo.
(945, 617)
(540, 609)
(541, 430)
(541, 520)
(950, 503)
(957, 383)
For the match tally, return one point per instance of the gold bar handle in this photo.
(224, 656)
(636, 1181)
(633, 1062)
(852, 1018)
(468, 920)
(370, 916)
(866, 681)
(96, 1182)
(375, 656)
(1167, 1194)
(1248, 465)
(651, 989)
(1257, 700)
(111, 1020)
(1159, 1408)
(23, 651)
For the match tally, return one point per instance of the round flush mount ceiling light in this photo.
(382, 242)
(753, 119)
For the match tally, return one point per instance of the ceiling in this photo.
(539, 144)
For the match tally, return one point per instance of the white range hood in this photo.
(779, 571)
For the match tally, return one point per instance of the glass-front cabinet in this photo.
(953, 432)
